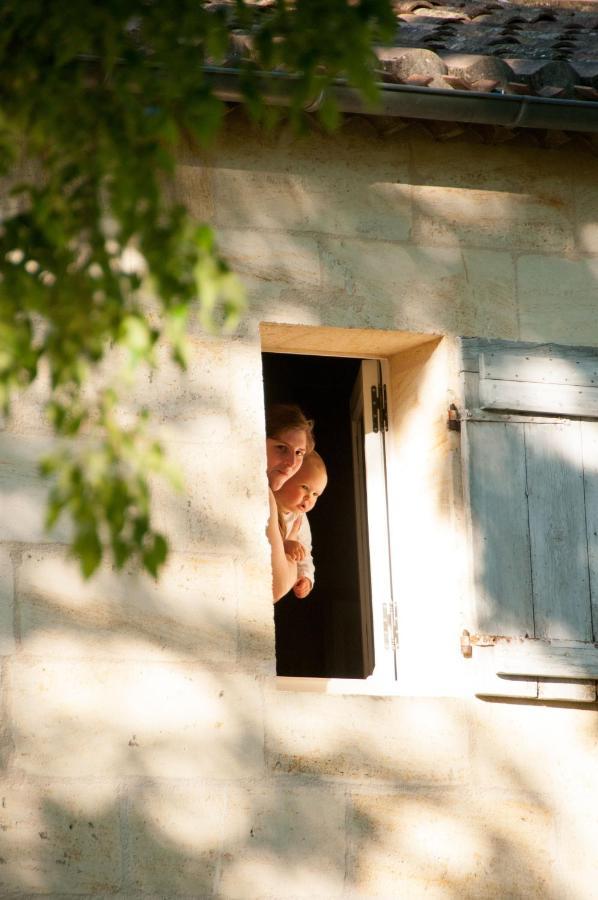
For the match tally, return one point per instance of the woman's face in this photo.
(284, 455)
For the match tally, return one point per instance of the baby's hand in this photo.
(302, 587)
(294, 550)
(294, 532)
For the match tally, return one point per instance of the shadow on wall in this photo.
(146, 753)
(289, 830)
(484, 232)
(291, 833)
(140, 758)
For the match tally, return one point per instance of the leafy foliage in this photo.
(96, 99)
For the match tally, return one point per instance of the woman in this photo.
(289, 436)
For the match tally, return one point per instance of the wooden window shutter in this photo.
(530, 455)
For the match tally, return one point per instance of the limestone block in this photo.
(176, 832)
(58, 839)
(244, 381)
(398, 286)
(557, 299)
(193, 188)
(444, 843)
(27, 414)
(491, 303)
(171, 503)
(191, 405)
(290, 258)
(239, 841)
(332, 187)
(185, 405)
(22, 490)
(189, 614)
(402, 740)
(577, 826)
(263, 296)
(493, 197)
(586, 204)
(86, 718)
(225, 501)
(284, 304)
(453, 216)
(256, 613)
(288, 842)
(215, 479)
(539, 749)
(7, 636)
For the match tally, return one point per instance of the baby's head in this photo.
(300, 492)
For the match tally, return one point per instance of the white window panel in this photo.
(379, 620)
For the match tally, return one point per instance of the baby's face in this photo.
(299, 493)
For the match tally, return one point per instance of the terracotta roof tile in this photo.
(546, 49)
(584, 92)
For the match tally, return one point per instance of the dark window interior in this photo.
(321, 634)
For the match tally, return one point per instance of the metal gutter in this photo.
(508, 110)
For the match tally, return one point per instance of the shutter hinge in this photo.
(391, 630)
(454, 419)
(379, 408)
(469, 641)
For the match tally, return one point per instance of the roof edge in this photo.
(411, 102)
(569, 5)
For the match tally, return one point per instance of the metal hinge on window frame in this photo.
(379, 408)
(391, 629)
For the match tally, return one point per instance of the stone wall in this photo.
(148, 749)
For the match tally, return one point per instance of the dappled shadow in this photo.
(148, 751)
(328, 825)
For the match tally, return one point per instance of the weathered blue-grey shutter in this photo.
(530, 451)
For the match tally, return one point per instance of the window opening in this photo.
(340, 630)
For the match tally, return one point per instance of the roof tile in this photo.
(545, 49)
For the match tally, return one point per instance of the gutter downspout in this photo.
(400, 100)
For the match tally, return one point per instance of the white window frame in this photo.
(374, 556)
(385, 348)
(375, 568)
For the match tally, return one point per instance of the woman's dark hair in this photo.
(281, 416)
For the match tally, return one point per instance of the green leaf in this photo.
(101, 109)
(329, 113)
(155, 556)
(87, 548)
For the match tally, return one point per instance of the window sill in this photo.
(365, 686)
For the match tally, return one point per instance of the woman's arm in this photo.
(284, 571)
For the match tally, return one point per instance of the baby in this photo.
(294, 500)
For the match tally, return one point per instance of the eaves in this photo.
(413, 102)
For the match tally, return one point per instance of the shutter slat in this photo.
(571, 691)
(499, 525)
(533, 397)
(551, 660)
(526, 366)
(560, 576)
